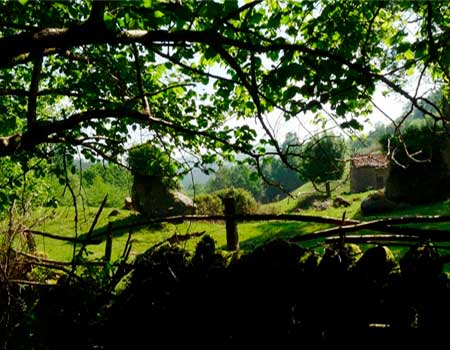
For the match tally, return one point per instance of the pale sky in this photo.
(391, 104)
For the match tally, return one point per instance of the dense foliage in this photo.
(99, 180)
(237, 176)
(279, 173)
(22, 185)
(419, 143)
(282, 177)
(81, 76)
(147, 160)
(89, 184)
(275, 179)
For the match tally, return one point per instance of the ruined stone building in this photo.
(368, 171)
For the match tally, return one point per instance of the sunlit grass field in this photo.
(61, 221)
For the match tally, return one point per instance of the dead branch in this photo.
(91, 229)
(33, 283)
(382, 225)
(53, 236)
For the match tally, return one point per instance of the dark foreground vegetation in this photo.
(199, 83)
(277, 295)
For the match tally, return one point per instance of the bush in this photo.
(211, 204)
(208, 204)
(149, 160)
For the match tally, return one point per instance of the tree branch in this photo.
(139, 82)
(433, 50)
(369, 30)
(253, 91)
(34, 89)
(383, 224)
(44, 130)
(235, 13)
(97, 11)
(189, 68)
(16, 45)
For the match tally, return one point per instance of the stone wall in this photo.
(418, 183)
(366, 178)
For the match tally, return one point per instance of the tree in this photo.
(286, 175)
(78, 76)
(110, 173)
(238, 176)
(324, 160)
(279, 173)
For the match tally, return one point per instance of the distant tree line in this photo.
(318, 160)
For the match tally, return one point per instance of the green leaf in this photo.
(147, 3)
(410, 71)
(23, 2)
(409, 54)
(3, 198)
(291, 92)
(211, 10)
(446, 57)
(353, 124)
(210, 53)
(255, 18)
(108, 19)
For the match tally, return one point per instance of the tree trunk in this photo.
(327, 189)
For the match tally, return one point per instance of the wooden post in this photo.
(342, 233)
(230, 223)
(328, 189)
(108, 245)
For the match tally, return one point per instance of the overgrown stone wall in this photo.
(280, 296)
(419, 182)
(365, 178)
(285, 296)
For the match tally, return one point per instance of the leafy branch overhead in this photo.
(89, 73)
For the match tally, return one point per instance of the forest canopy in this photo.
(81, 76)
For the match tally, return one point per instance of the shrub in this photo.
(208, 204)
(149, 160)
(211, 204)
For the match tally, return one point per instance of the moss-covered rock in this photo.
(338, 259)
(422, 262)
(376, 263)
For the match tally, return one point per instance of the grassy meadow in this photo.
(60, 221)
